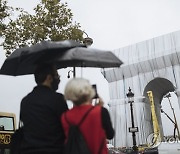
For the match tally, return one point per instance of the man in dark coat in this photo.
(40, 112)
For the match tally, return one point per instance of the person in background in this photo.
(97, 126)
(40, 111)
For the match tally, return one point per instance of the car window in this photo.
(6, 123)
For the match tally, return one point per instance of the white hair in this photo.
(79, 90)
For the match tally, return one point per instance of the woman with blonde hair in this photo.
(97, 126)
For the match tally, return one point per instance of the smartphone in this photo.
(95, 89)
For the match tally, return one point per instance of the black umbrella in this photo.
(87, 57)
(24, 60)
(75, 57)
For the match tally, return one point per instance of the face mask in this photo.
(55, 83)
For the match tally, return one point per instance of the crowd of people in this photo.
(44, 114)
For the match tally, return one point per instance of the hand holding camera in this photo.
(98, 100)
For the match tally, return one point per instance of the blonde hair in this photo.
(79, 91)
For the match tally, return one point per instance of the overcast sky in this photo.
(112, 24)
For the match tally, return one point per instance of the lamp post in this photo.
(132, 129)
(86, 41)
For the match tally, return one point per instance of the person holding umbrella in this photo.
(96, 126)
(40, 111)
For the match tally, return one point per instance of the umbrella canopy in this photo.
(87, 57)
(24, 60)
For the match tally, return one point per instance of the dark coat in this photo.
(40, 112)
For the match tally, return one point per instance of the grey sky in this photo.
(112, 24)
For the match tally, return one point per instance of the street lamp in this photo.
(132, 129)
(87, 41)
(68, 76)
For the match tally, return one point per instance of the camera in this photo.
(95, 89)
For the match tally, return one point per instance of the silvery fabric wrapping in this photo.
(149, 65)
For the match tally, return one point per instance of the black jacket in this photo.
(40, 113)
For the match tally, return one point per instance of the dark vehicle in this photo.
(7, 128)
